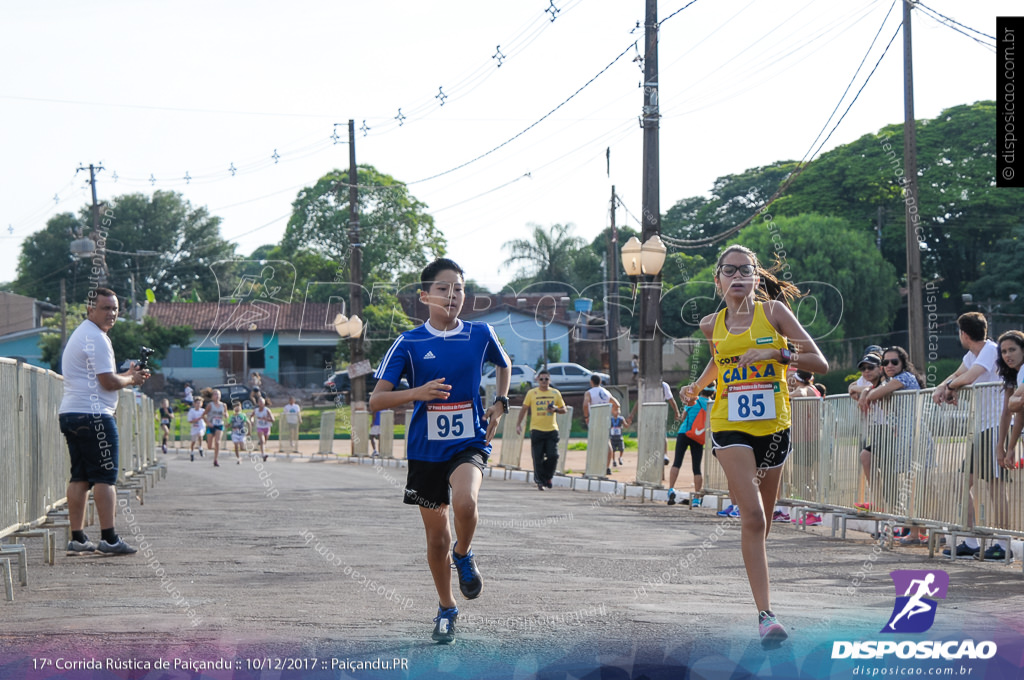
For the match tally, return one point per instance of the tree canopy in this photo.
(161, 240)
(398, 236)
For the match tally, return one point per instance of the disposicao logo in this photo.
(914, 612)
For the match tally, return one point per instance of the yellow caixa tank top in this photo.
(753, 399)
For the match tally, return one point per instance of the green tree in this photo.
(548, 261)
(398, 236)
(733, 199)
(161, 240)
(1002, 278)
(963, 213)
(851, 289)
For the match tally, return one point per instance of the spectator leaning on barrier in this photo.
(542, 402)
(87, 422)
(871, 374)
(1011, 421)
(978, 366)
(893, 454)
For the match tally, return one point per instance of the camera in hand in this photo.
(145, 353)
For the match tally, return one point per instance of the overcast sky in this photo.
(158, 90)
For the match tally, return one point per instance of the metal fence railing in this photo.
(907, 459)
(34, 462)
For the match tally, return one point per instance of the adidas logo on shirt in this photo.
(429, 355)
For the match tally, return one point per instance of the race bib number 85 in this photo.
(447, 422)
(751, 401)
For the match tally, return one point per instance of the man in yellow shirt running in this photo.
(544, 402)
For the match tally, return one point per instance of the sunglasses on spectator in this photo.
(890, 362)
(731, 269)
(539, 379)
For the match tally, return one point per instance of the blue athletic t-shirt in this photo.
(442, 428)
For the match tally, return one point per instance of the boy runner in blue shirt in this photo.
(449, 436)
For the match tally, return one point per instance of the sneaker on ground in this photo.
(812, 520)
(994, 552)
(119, 548)
(731, 511)
(695, 502)
(684, 501)
(470, 582)
(963, 550)
(192, 457)
(549, 484)
(444, 624)
(780, 516)
(620, 460)
(772, 632)
(671, 498)
(541, 487)
(78, 548)
(608, 471)
(614, 464)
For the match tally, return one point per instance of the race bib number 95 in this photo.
(447, 422)
(751, 401)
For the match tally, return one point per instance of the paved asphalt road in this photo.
(256, 562)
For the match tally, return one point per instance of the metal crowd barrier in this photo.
(906, 460)
(35, 466)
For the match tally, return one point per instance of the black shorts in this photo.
(985, 455)
(770, 450)
(92, 444)
(427, 483)
(617, 443)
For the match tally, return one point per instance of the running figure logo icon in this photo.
(914, 611)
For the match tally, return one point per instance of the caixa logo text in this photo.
(909, 649)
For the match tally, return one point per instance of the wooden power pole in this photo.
(650, 301)
(915, 298)
(356, 280)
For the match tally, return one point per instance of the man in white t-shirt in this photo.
(978, 366)
(594, 396)
(86, 413)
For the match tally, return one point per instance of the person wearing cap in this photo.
(870, 368)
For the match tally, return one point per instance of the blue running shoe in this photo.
(444, 625)
(470, 582)
(731, 511)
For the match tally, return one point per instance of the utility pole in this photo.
(610, 306)
(650, 301)
(100, 252)
(356, 273)
(915, 299)
(63, 321)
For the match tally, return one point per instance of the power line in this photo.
(532, 125)
(953, 21)
(710, 240)
(928, 12)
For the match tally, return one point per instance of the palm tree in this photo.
(547, 259)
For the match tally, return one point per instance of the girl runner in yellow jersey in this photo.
(750, 344)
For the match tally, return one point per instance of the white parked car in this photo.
(521, 373)
(570, 377)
